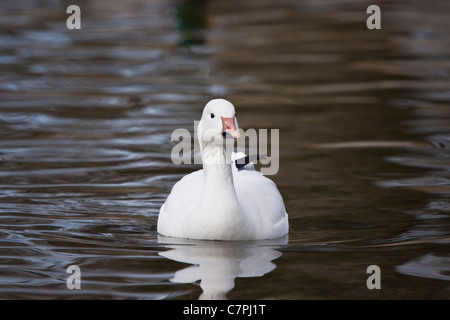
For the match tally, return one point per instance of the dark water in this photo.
(85, 123)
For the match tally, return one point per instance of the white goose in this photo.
(221, 202)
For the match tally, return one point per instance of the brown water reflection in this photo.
(86, 118)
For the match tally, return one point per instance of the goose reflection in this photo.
(217, 263)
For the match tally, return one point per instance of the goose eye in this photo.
(212, 115)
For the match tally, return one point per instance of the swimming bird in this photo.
(225, 200)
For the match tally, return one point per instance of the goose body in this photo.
(221, 202)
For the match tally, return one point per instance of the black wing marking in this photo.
(242, 162)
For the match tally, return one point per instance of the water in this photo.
(85, 123)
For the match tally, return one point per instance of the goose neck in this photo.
(217, 168)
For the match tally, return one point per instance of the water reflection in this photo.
(191, 20)
(217, 263)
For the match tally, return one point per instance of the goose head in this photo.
(218, 123)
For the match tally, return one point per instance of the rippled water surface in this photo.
(86, 118)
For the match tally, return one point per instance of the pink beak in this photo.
(228, 126)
